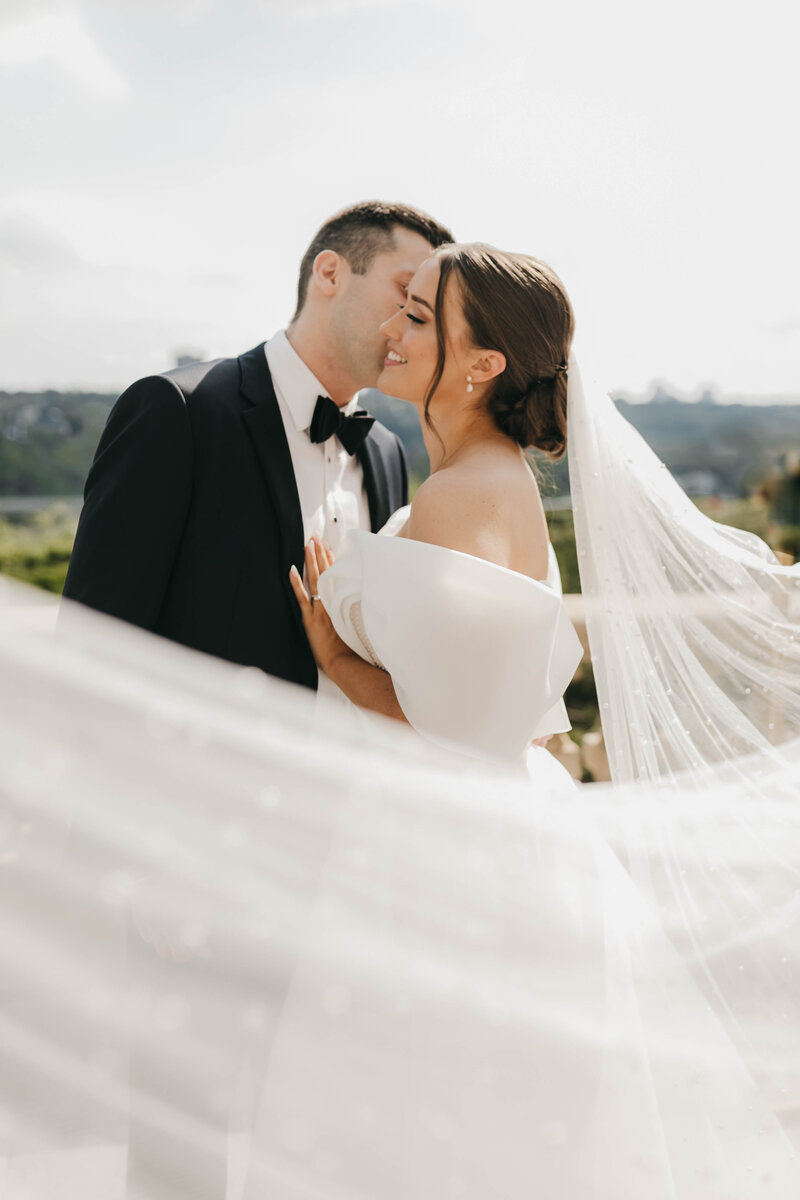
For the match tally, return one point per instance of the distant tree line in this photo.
(47, 441)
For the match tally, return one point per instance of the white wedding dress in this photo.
(479, 655)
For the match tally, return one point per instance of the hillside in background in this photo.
(47, 441)
(713, 449)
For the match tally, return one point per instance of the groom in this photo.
(208, 480)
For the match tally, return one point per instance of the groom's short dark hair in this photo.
(363, 230)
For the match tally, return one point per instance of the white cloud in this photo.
(59, 37)
(16, 11)
(28, 245)
(307, 10)
(787, 327)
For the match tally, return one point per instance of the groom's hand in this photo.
(326, 645)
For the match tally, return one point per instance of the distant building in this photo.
(188, 357)
(35, 418)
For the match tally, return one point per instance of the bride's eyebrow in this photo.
(424, 303)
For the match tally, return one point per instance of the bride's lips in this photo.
(393, 359)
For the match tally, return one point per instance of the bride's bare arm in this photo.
(367, 686)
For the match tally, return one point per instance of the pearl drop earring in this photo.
(469, 383)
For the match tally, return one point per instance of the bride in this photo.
(458, 626)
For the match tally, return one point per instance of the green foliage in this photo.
(783, 496)
(562, 535)
(47, 441)
(787, 539)
(581, 701)
(48, 572)
(751, 513)
(36, 547)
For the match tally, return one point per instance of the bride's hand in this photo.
(326, 645)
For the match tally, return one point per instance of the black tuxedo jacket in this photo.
(192, 520)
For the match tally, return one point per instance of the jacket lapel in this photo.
(375, 483)
(265, 426)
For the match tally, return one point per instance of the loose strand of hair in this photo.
(446, 267)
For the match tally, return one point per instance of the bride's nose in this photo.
(389, 328)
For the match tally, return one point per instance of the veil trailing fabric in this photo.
(246, 952)
(694, 627)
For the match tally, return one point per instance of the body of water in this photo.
(34, 504)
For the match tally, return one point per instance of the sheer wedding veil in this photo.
(247, 951)
(694, 627)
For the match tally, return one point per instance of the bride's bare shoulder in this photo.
(448, 503)
(477, 511)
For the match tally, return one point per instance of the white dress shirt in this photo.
(330, 482)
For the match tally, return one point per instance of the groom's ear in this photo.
(487, 365)
(328, 272)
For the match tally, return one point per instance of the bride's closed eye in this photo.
(411, 317)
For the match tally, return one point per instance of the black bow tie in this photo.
(329, 419)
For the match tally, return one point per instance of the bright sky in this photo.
(165, 163)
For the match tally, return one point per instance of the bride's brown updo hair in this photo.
(517, 305)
